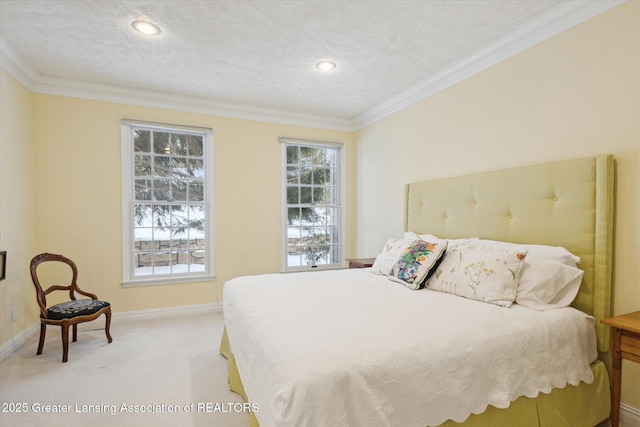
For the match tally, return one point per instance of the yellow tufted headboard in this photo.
(567, 203)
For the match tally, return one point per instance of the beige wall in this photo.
(576, 95)
(61, 178)
(17, 206)
(79, 198)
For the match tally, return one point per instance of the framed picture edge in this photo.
(3, 264)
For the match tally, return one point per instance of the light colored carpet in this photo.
(169, 360)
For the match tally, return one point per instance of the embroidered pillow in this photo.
(391, 251)
(416, 262)
(482, 273)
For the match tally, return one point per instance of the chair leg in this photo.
(65, 341)
(75, 332)
(107, 325)
(43, 332)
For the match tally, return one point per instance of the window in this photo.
(312, 205)
(166, 189)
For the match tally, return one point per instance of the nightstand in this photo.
(360, 262)
(625, 344)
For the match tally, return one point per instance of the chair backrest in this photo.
(41, 294)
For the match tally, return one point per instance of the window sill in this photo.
(167, 280)
(319, 268)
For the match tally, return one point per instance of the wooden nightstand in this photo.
(625, 344)
(360, 262)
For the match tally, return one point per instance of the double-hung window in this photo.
(166, 198)
(313, 205)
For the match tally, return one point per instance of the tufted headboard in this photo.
(567, 203)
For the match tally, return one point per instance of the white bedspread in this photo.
(349, 348)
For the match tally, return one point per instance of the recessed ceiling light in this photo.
(326, 65)
(146, 27)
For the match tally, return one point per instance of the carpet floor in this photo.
(162, 369)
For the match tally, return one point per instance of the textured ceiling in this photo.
(261, 54)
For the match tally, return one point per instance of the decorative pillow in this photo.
(480, 272)
(546, 284)
(391, 251)
(551, 253)
(416, 262)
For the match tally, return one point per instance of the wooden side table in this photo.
(625, 344)
(360, 262)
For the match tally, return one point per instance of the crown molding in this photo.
(146, 98)
(15, 66)
(565, 16)
(49, 85)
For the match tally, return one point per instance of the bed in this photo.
(351, 347)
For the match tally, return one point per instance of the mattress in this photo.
(352, 348)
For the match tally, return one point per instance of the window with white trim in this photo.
(313, 200)
(167, 193)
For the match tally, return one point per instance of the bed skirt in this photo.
(581, 405)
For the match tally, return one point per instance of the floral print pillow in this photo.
(416, 262)
(391, 251)
(481, 273)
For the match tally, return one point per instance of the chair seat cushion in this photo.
(75, 308)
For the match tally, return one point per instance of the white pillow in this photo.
(483, 273)
(391, 251)
(416, 262)
(432, 238)
(545, 284)
(551, 253)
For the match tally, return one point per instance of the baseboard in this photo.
(629, 416)
(19, 340)
(165, 310)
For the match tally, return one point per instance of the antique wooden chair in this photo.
(68, 313)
